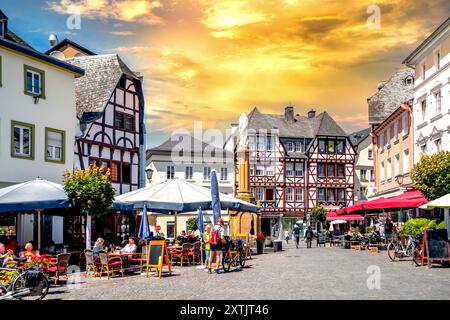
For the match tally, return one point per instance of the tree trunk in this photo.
(88, 232)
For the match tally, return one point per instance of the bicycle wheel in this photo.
(392, 250)
(23, 291)
(242, 259)
(226, 262)
(3, 291)
(417, 257)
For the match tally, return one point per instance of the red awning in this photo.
(409, 199)
(346, 217)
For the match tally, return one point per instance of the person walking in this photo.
(286, 235)
(309, 236)
(296, 232)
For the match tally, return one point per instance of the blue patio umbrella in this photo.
(144, 228)
(200, 221)
(252, 226)
(215, 199)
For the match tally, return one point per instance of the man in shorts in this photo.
(216, 249)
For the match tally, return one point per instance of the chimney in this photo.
(289, 114)
(311, 113)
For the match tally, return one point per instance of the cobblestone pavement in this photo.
(316, 273)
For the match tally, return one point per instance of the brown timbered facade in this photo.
(298, 162)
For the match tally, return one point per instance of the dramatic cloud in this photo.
(210, 60)
(124, 10)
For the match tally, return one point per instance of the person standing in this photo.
(207, 245)
(217, 240)
(388, 228)
(296, 232)
(286, 235)
(309, 236)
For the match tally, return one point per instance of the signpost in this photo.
(435, 246)
(157, 257)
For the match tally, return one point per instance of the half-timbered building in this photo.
(297, 162)
(111, 130)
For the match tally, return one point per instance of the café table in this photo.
(125, 256)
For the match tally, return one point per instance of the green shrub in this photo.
(441, 225)
(416, 226)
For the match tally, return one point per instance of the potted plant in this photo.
(260, 238)
(268, 242)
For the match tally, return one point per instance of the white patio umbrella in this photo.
(443, 203)
(176, 196)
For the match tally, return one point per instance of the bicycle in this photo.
(417, 255)
(398, 248)
(31, 284)
(233, 256)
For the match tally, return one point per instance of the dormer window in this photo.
(2, 29)
(409, 80)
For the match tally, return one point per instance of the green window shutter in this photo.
(42, 76)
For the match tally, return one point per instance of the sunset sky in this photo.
(211, 60)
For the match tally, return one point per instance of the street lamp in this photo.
(399, 179)
(149, 174)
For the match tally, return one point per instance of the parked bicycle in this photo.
(234, 255)
(31, 284)
(402, 247)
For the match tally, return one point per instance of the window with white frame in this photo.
(260, 143)
(298, 146)
(22, 144)
(424, 70)
(396, 131)
(259, 194)
(370, 154)
(406, 161)
(189, 172)
(397, 165)
(388, 136)
(382, 171)
(289, 146)
(381, 142)
(438, 145)
(437, 102)
(223, 174)
(207, 173)
(34, 81)
(389, 169)
(298, 194)
(170, 172)
(55, 145)
(2, 29)
(405, 126)
(269, 169)
(269, 144)
(371, 175)
(259, 170)
(289, 169)
(423, 105)
(252, 170)
(289, 194)
(423, 148)
(363, 175)
(299, 169)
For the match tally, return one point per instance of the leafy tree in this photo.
(319, 214)
(91, 192)
(192, 223)
(432, 175)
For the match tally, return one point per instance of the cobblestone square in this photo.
(297, 274)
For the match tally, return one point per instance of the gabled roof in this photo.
(69, 43)
(359, 136)
(195, 146)
(301, 127)
(40, 56)
(102, 74)
(440, 31)
(390, 95)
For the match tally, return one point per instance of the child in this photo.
(286, 235)
(207, 245)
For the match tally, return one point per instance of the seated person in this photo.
(99, 246)
(50, 249)
(182, 238)
(29, 253)
(6, 256)
(12, 244)
(130, 247)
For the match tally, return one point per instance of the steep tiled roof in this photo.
(302, 126)
(357, 137)
(102, 74)
(391, 94)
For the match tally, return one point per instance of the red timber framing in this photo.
(329, 186)
(113, 139)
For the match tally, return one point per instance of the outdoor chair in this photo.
(108, 265)
(139, 258)
(195, 252)
(181, 255)
(89, 262)
(60, 267)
